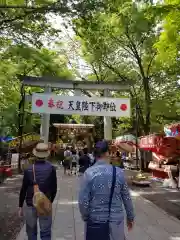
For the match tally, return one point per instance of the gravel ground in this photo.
(10, 223)
(166, 199)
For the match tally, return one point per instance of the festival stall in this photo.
(79, 135)
(27, 141)
(165, 150)
(126, 142)
(125, 145)
(10, 152)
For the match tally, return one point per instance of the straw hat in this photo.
(41, 150)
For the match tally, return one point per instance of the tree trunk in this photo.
(147, 99)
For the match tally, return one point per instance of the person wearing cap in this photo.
(103, 193)
(46, 180)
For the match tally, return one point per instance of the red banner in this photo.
(165, 146)
(150, 142)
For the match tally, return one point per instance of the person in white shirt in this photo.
(67, 161)
(92, 158)
(75, 159)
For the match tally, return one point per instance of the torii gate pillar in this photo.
(107, 121)
(45, 120)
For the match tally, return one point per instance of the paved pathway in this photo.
(151, 222)
(10, 224)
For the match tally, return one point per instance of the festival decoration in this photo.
(172, 130)
(25, 140)
(126, 142)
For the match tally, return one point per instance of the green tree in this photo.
(168, 45)
(24, 60)
(28, 21)
(168, 50)
(122, 39)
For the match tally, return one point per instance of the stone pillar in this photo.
(42, 128)
(45, 120)
(107, 122)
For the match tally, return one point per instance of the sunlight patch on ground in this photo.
(13, 178)
(172, 190)
(134, 194)
(5, 187)
(67, 202)
(174, 200)
(138, 193)
(174, 238)
(60, 238)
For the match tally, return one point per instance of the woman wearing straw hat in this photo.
(42, 174)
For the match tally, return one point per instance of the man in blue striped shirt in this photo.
(95, 192)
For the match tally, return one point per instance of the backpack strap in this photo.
(112, 190)
(34, 174)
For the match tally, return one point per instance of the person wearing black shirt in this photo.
(84, 161)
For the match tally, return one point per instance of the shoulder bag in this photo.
(42, 204)
(101, 231)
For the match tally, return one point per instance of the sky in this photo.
(67, 36)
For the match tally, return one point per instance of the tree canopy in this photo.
(132, 42)
(125, 38)
(24, 60)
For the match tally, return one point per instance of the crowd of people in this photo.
(103, 192)
(77, 161)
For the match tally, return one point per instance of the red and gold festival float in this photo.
(165, 150)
